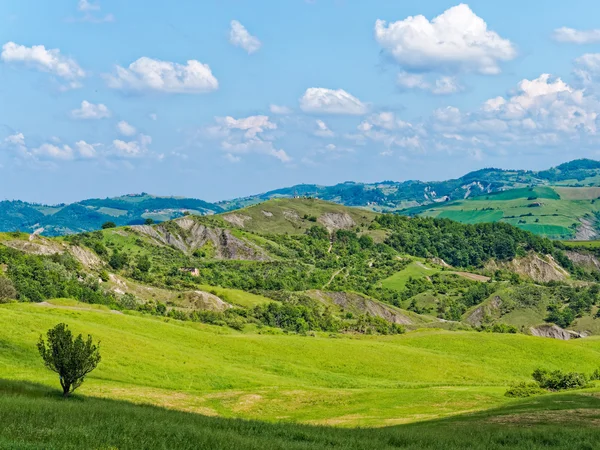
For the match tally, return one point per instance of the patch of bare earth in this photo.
(583, 417)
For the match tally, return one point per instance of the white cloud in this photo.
(17, 139)
(45, 60)
(323, 130)
(239, 37)
(246, 136)
(252, 125)
(147, 74)
(125, 128)
(587, 68)
(328, 101)
(132, 149)
(86, 150)
(232, 158)
(91, 12)
(457, 40)
(573, 36)
(441, 86)
(90, 111)
(52, 151)
(86, 6)
(283, 110)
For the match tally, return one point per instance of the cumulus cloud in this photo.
(252, 125)
(283, 110)
(132, 149)
(455, 41)
(442, 86)
(573, 36)
(90, 111)
(91, 12)
(587, 68)
(45, 60)
(328, 101)
(125, 128)
(239, 37)
(323, 130)
(86, 150)
(50, 151)
(147, 74)
(248, 135)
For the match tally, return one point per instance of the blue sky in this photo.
(225, 98)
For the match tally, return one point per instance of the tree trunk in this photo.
(66, 390)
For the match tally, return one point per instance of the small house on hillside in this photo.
(193, 271)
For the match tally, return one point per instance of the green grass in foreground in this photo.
(34, 417)
(344, 381)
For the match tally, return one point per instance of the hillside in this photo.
(305, 265)
(88, 215)
(327, 380)
(393, 196)
(553, 212)
(314, 314)
(572, 184)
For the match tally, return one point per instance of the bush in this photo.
(524, 389)
(558, 380)
(7, 290)
(107, 225)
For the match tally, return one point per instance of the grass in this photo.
(287, 215)
(34, 418)
(345, 381)
(415, 270)
(550, 212)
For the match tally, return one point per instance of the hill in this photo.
(574, 183)
(88, 215)
(394, 196)
(552, 211)
(342, 381)
(317, 314)
(305, 265)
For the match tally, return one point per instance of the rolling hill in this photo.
(555, 212)
(305, 312)
(566, 214)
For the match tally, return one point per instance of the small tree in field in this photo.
(71, 358)
(107, 225)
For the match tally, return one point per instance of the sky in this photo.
(217, 99)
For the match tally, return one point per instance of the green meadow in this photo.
(264, 374)
(554, 212)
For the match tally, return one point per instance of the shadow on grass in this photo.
(36, 416)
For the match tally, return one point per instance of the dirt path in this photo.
(335, 274)
(473, 276)
(77, 308)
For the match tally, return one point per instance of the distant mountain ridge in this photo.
(385, 196)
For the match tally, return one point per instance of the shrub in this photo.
(107, 225)
(7, 290)
(558, 380)
(524, 389)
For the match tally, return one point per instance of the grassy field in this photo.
(415, 269)
(335, 380)
(551, 212)
(34, 418)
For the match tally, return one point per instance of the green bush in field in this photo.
(71, 358)
(558, 380)
(7, 290)
(524, 389)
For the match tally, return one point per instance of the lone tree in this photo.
(71, 358)
(107, 225)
